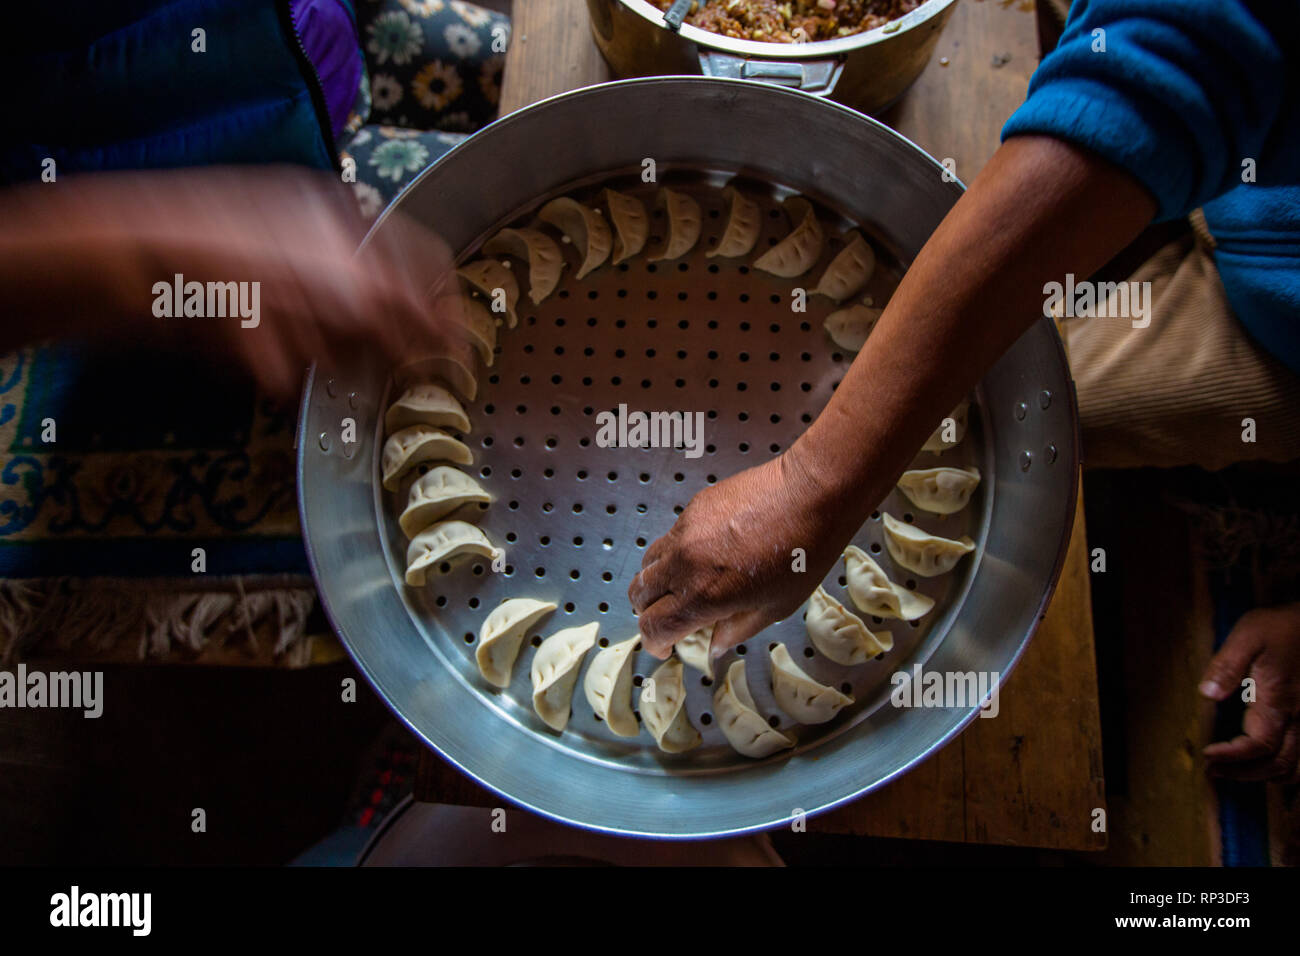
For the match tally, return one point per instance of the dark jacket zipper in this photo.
(314, 84)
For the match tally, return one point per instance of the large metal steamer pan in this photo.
(867, 71)
(829, 152)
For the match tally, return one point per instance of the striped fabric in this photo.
(1180, 391)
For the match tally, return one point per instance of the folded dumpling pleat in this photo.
(436, 494)
(539, 250)
(873, 593)
(631, 224)
(498, 285)
(693, 649)
(744, 221)
(608, 686)
(840, 634)
(582, 226)
(849, 271)
(426, 404)
(408, 447)
(665, 714)
(738, 716)
(850, 326)
(803, 698)
(684, 224)
(442, 542)
(555, 672)
(922, 553)
(799, 251)
(503, 634)
(943, 491)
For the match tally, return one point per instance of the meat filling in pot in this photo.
(792, 21)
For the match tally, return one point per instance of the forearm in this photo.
(1040, 209)
(66, 273)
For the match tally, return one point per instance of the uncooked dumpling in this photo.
(555, 672)
(743, 224)
(482, 329)
(426, 404)
(799, 695)
(840, 634)
(937, 441)
(925, 554)
(684, 223)
(742, 725)
(488, 275)
(850, 326)
(665, 716)
(631, 224)
(410, 446)
(849, 271)
(873, 593)
(454, 368)
(503, 634)
(943, 491)
(608, 686)
(442, 542)
(537, 249)
(799, 251)
(693, 649)
(436, 494)
(583, 226)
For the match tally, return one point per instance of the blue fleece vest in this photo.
(1200, 101)
(119, 84)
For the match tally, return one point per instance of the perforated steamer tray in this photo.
(690, 335)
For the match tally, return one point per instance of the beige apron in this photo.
(1192, 388)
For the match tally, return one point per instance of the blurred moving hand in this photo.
(81, 256)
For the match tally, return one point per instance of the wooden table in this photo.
(1033, 775)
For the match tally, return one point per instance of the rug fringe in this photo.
(158, 618)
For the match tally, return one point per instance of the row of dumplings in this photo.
(417, 425)
(627, 231)
(608, 684)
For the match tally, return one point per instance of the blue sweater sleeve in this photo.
(1176, 92)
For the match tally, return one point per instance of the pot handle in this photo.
(812, 76)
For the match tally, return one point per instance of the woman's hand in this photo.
(82, 256)
(745, 553)
(1265, 647)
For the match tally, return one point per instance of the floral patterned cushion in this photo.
(388, 157)
(433, 64)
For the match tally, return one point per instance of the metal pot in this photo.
(867, 71)
(417, 650)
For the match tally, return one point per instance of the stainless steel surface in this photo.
(867, 71)
(413, 646)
